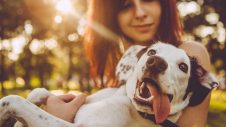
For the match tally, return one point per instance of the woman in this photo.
(135, 22)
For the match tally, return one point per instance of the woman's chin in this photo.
(143, 40)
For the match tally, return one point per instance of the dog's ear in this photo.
(200, 83)
(127, 63)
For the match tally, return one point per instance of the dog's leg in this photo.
(39, 96)
(29, 114)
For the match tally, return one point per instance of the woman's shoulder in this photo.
(197, 50)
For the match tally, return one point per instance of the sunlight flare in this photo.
(64, 6)
(58, 19)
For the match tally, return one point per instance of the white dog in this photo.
(157, 83)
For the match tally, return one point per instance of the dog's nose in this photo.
(156, 64)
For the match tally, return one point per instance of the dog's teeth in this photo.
(141, 92)
(150, 98)
(141, 88)
(146, 99)
(142, 84)
(137, 90)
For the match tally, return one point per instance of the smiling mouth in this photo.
(148, 93)
(143, 28)
(145, 25)
(143, 93)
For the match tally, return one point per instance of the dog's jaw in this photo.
(154, 102)
(149, 95)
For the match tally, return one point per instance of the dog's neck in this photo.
(151, 117)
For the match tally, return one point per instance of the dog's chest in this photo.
(114, 111)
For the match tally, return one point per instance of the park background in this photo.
(41, 45)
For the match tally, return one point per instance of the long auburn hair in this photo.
(103, 52)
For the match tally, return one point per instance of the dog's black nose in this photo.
(156, 64)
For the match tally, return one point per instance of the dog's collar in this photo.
(166, 123)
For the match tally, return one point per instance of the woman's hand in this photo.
(64, 106)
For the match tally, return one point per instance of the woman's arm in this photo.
(196, 116)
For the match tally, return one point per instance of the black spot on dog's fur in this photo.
(6, 103)
(40, 116)
(128, 67)
(43, 118)
(118, 73)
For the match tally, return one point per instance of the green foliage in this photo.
(217, 109)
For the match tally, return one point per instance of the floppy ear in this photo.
(200, 83)
(127, 63)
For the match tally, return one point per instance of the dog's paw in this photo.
(6, 109)
(3, 117)
(39, 96)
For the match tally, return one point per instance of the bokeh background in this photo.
(41, 45)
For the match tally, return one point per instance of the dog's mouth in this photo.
(148, 94)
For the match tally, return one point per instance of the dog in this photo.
(157, 83)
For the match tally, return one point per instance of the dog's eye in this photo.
(151, 52)
(183, 67)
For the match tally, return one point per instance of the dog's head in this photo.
(163, 79)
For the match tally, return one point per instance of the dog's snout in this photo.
(156, 64)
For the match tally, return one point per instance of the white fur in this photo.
(110, 107)
(173, 81)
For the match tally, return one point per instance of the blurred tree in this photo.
(42, 64)
(205, 21)
(219, 53)
(11, 24)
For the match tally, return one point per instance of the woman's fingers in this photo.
(65, 106)
(78, 100)
(66, 97)
(70, 98)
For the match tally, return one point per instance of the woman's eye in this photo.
(183, 67)
(148, 0)
(151, 52)
(126, 5)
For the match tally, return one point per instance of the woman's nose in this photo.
(140, 12)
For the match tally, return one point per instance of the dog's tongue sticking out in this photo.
(161, 104)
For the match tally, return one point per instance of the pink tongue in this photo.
(161, 104)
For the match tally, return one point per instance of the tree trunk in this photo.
(2, 73)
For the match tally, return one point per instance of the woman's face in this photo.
(139, 19)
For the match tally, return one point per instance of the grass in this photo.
(217, 109)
